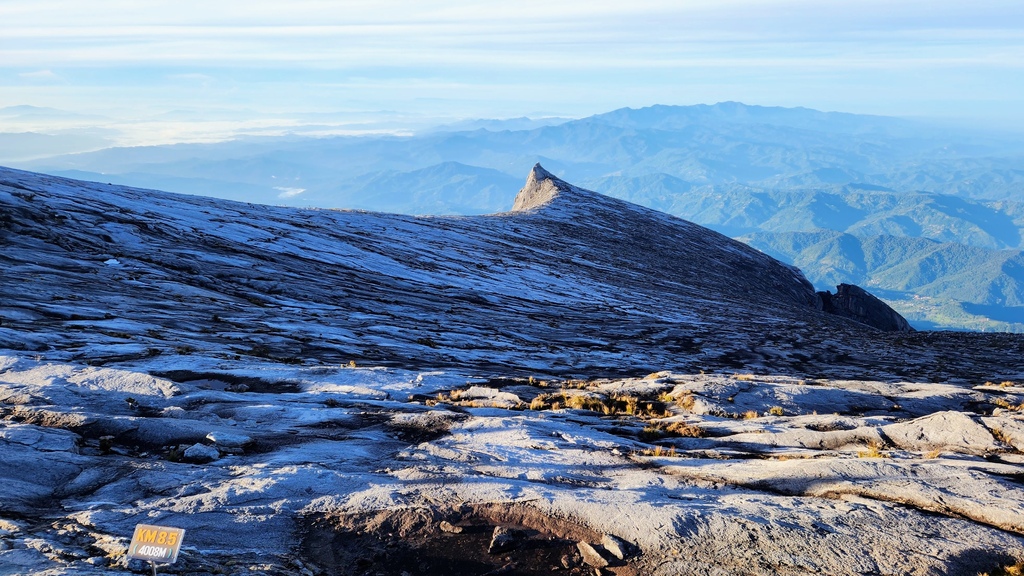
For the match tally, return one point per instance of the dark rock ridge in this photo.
(544, 190)
(858, 304)
(569, 283)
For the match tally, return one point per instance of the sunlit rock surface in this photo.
(317, 391)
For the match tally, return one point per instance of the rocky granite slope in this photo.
(570, 283)
(577, 386)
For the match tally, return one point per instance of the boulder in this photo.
(450, 528)
(228, 439)
(591, 556)
(1009, 430)
(503, 539)
(200, 453)
(618, 547)
(951, 431)
(856, 303)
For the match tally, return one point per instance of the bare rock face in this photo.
(866, 467)
(856, 303)
(541, 188)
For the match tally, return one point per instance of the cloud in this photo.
(41, 76)
(431, 35)
(289, 192)
(556, 56)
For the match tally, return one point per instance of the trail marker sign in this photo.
(156, 543)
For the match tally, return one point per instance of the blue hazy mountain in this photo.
(814, 188)
(446, 188)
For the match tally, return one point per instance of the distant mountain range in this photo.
(927, 216)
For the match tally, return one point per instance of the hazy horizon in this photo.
(161, 72)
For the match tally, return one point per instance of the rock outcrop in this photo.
(541, 188)
(858, 304)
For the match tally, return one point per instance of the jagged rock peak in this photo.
(858, 304)
(541, 188)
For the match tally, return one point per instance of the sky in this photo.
(223, 65)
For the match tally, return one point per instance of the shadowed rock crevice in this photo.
(459, 540)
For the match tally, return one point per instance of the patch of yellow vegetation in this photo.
(874, 450)
(1012, 570)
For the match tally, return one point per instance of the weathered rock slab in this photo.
(591, 556)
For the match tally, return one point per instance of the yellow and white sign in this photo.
(156, 543)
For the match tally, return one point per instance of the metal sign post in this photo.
(156, 544)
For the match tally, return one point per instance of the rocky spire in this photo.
(541, 188)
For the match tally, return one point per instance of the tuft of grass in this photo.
(1006, 384)
(1011, 570)
(686, 401)
(459, 398)
(933, 454)
(1004, 403)
(745, 377)
(776, 411)
(616, 404)
(659, 451)
(585, 402)
(651, 433)
(786, 457)
(677, 429)
(445, 398)
(1001, 435)
(546, 402)
(685, 430)
(750, 414)
(873, 450)
(626, 403)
